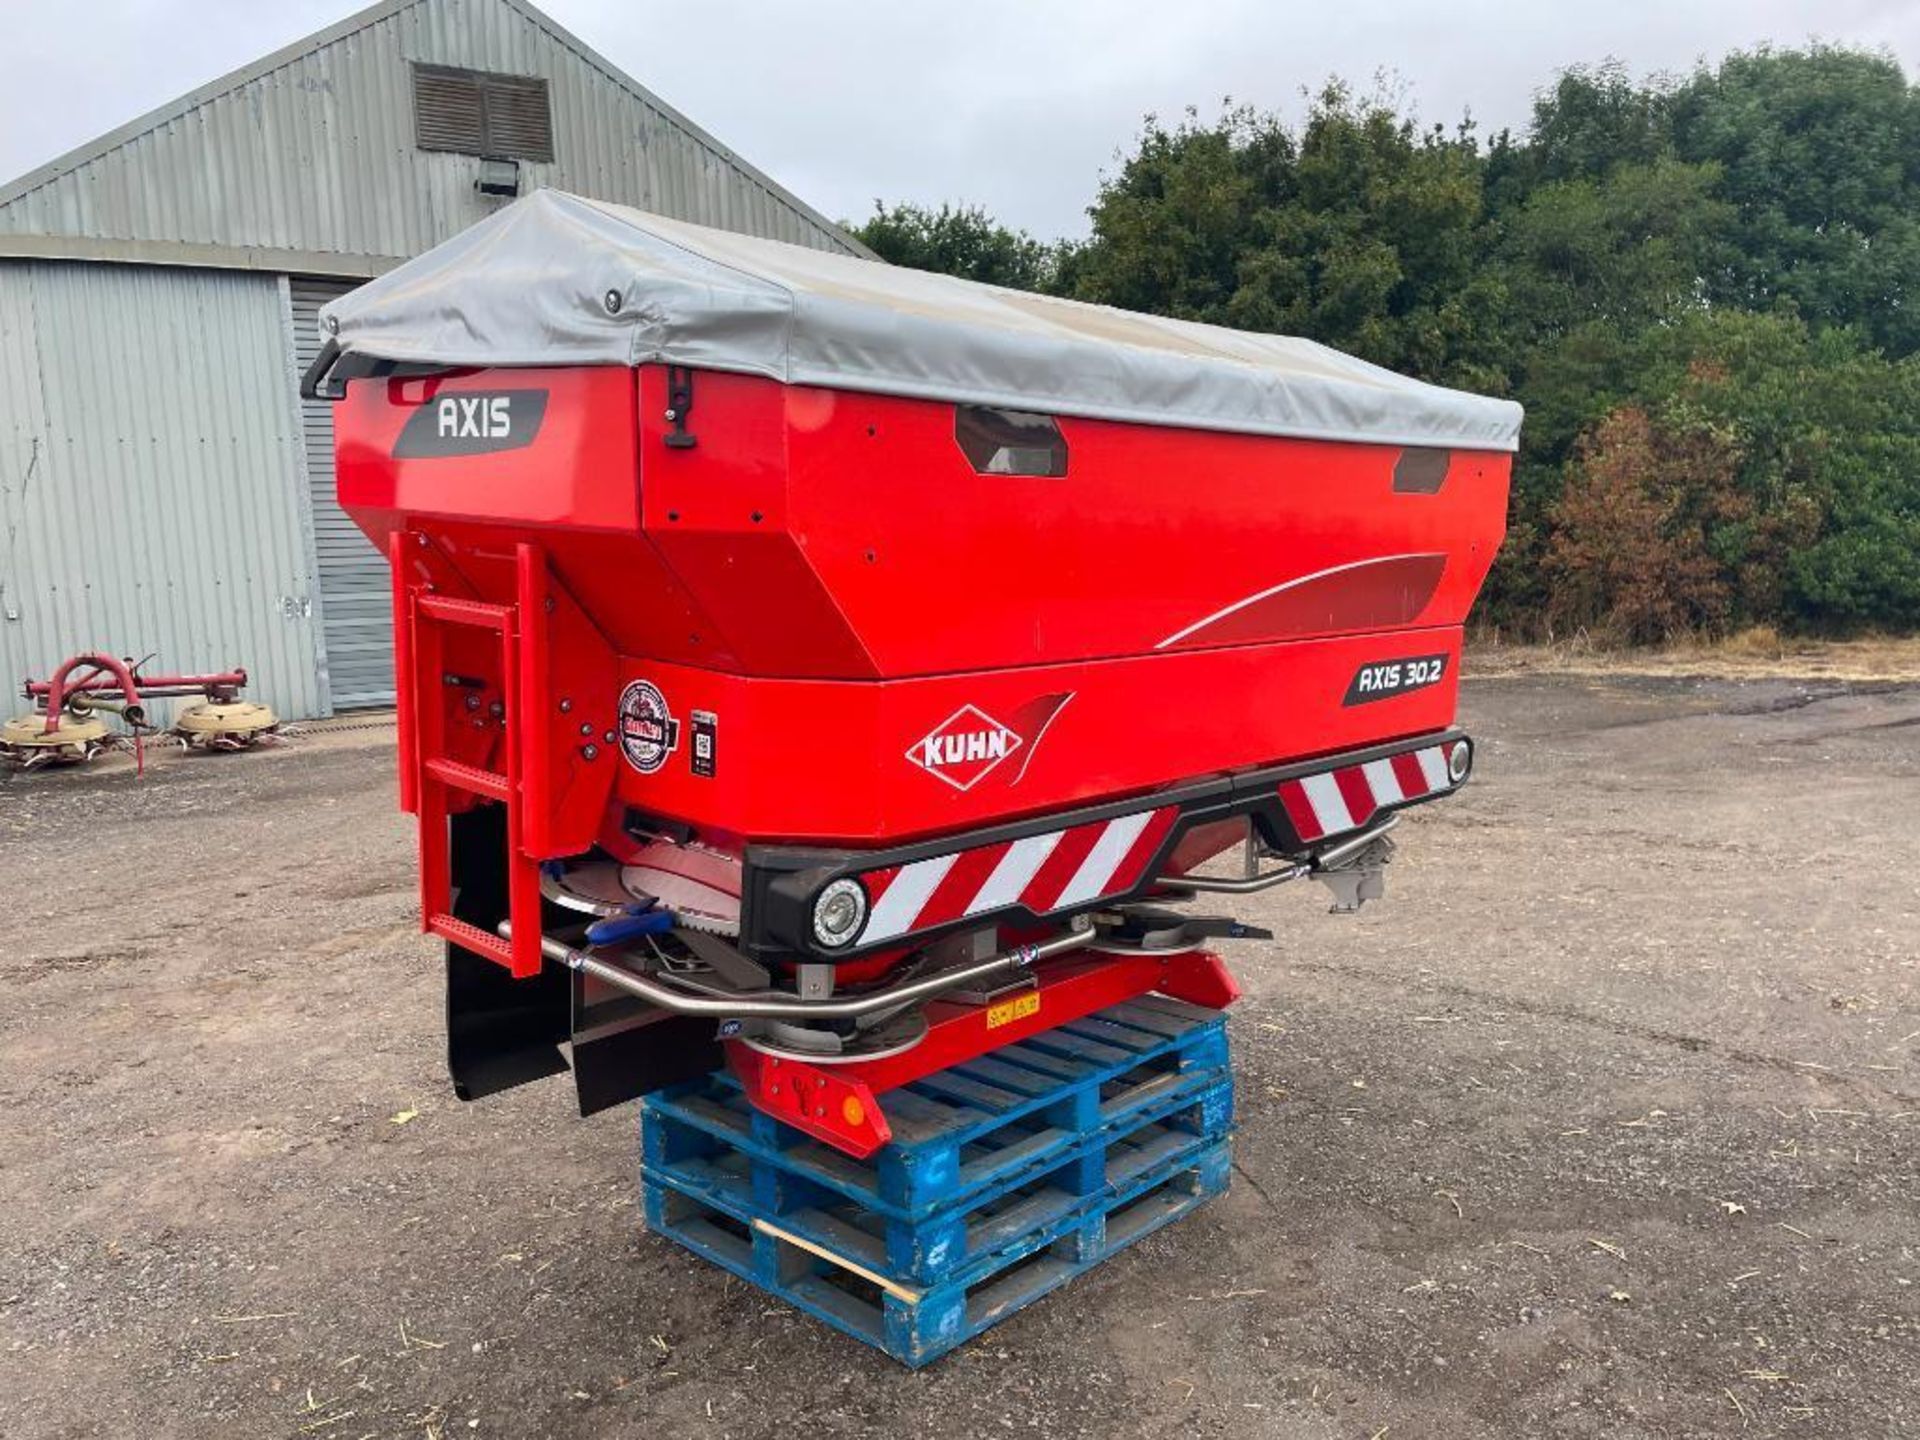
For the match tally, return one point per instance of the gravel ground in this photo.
(1604, 1123)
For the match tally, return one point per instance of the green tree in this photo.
(1592, 119)
(1170, 229)
(1829, 432)
(959, 240)
(1819, 151)
(1705, 289)
(1630, 248)
(1361, 230)
(1819, 518)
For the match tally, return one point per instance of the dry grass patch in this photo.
(1758, 653)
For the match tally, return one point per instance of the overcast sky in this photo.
(1017, 105)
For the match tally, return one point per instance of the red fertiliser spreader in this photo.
(837, 672)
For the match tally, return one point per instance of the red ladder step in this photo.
(470, 937)
(434, 782)
(471, 778)
(452, 610)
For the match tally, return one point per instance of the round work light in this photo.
(838, 913)
(1460, 761)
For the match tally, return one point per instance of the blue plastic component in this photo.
(615, 928)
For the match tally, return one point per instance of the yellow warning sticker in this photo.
(1008, 1011)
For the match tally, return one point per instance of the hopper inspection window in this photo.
(1010, 442)
(478, 112)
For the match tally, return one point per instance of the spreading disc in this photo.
(820, 1046)
(700, 886)
(695, 904)
(606, 888)
(592, 889)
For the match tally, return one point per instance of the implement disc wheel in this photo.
(27, 742)
(230, 726)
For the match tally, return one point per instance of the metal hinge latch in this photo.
(679, 406)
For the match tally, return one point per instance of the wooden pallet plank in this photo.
(1075, 1046)
(1176, 1008)
(1006, 1160)
(863, 1266)
(998, 1073)
(1042, 1207)
(1147, 1017)
(1060, 1067)
(1108, 1032)
(917, 1324)
(921, 1120)
(990, 1098)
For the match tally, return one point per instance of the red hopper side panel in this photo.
(831, 625)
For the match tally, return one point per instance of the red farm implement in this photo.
(66, 725)
(838, 673)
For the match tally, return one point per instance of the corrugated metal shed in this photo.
(182, 502)
(305, 161)
(142, 498)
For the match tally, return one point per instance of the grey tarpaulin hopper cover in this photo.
(555, 279)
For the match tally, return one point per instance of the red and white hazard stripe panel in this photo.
(1336, 801)
(1052, 871)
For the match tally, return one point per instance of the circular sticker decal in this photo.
(648, 731)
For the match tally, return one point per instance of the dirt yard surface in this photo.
(1605, 1123)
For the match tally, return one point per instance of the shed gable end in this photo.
(323, 150)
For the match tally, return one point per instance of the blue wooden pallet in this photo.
(1007, 1176)
(972, 1237)
(1153, 1174)
(975, 1129)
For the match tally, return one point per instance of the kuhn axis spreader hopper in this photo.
(838, 672)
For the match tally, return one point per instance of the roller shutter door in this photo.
(356, 602)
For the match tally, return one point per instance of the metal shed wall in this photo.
(356, 587)
(144, 499)
(311, 152)
(184, 503)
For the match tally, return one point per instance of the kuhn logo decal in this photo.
(964, 748)
(472, 423)
(648, 731)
